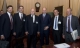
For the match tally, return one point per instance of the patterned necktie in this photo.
(21, 16)
(44, 16)
(55, 22)
(11, 21)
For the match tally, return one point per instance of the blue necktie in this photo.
(56, 23)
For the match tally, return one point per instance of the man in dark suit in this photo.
(31, 28)
(79, 20)
(1, 12)
(6, 25)
(44, 22)
(57, 27)
(6, 21)
(70, 23)
(19, 23)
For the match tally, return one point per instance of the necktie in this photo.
(43, 16)
(68, 24)
(11, 21)
(33, 18)
(56, 23)
(21, 16)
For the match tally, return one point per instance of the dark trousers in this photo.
(31, 40)
(19, 39)
(9, 39)
(68, 37)
(19, 35)
(56, 36)
(44, 35)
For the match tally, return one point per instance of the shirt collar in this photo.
(69, 16)
(8, 13)
(20, 13)
(32, 15)
(44, 14)
(57, 16)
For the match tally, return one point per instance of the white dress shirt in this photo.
(33, 18)
(20, 15)
(55, 22)
(71, 30)
(44, 15)
(10, 17)
(9, 14)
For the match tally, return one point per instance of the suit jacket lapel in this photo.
(71, 21)
(53, 21)
(41, 17)
(23, 16)
(18, 16)
(58, 18)
(35, 19)
(31, 18)
(8, 16)
(45, 18)
(66, 21)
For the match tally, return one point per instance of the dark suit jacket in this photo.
(60, 26)
(31, 27)
(79, 20)
(44, 22)
(5, 26)
(18, 24)
(74, 24)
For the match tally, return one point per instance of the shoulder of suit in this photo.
(24, 14)
(4, 14)
(64, 18)
(36, 15)
(74, 16)
(40, 15)
(16, 13)
(29, 15)
(61, 17)
(48, 15)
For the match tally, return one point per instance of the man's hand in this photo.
(63, 36)
(38, 33)
(14, 33)
(46, 28)
(78, 37)
(2, 37)
(26, 33)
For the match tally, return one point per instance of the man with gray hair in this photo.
(70, 23)
(32, 29)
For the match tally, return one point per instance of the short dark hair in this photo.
(56, 9)
(20, 6)
(9, 6)
(1, 10)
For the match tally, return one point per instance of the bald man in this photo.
(45, 22)
(32, 28)
(70, 23)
